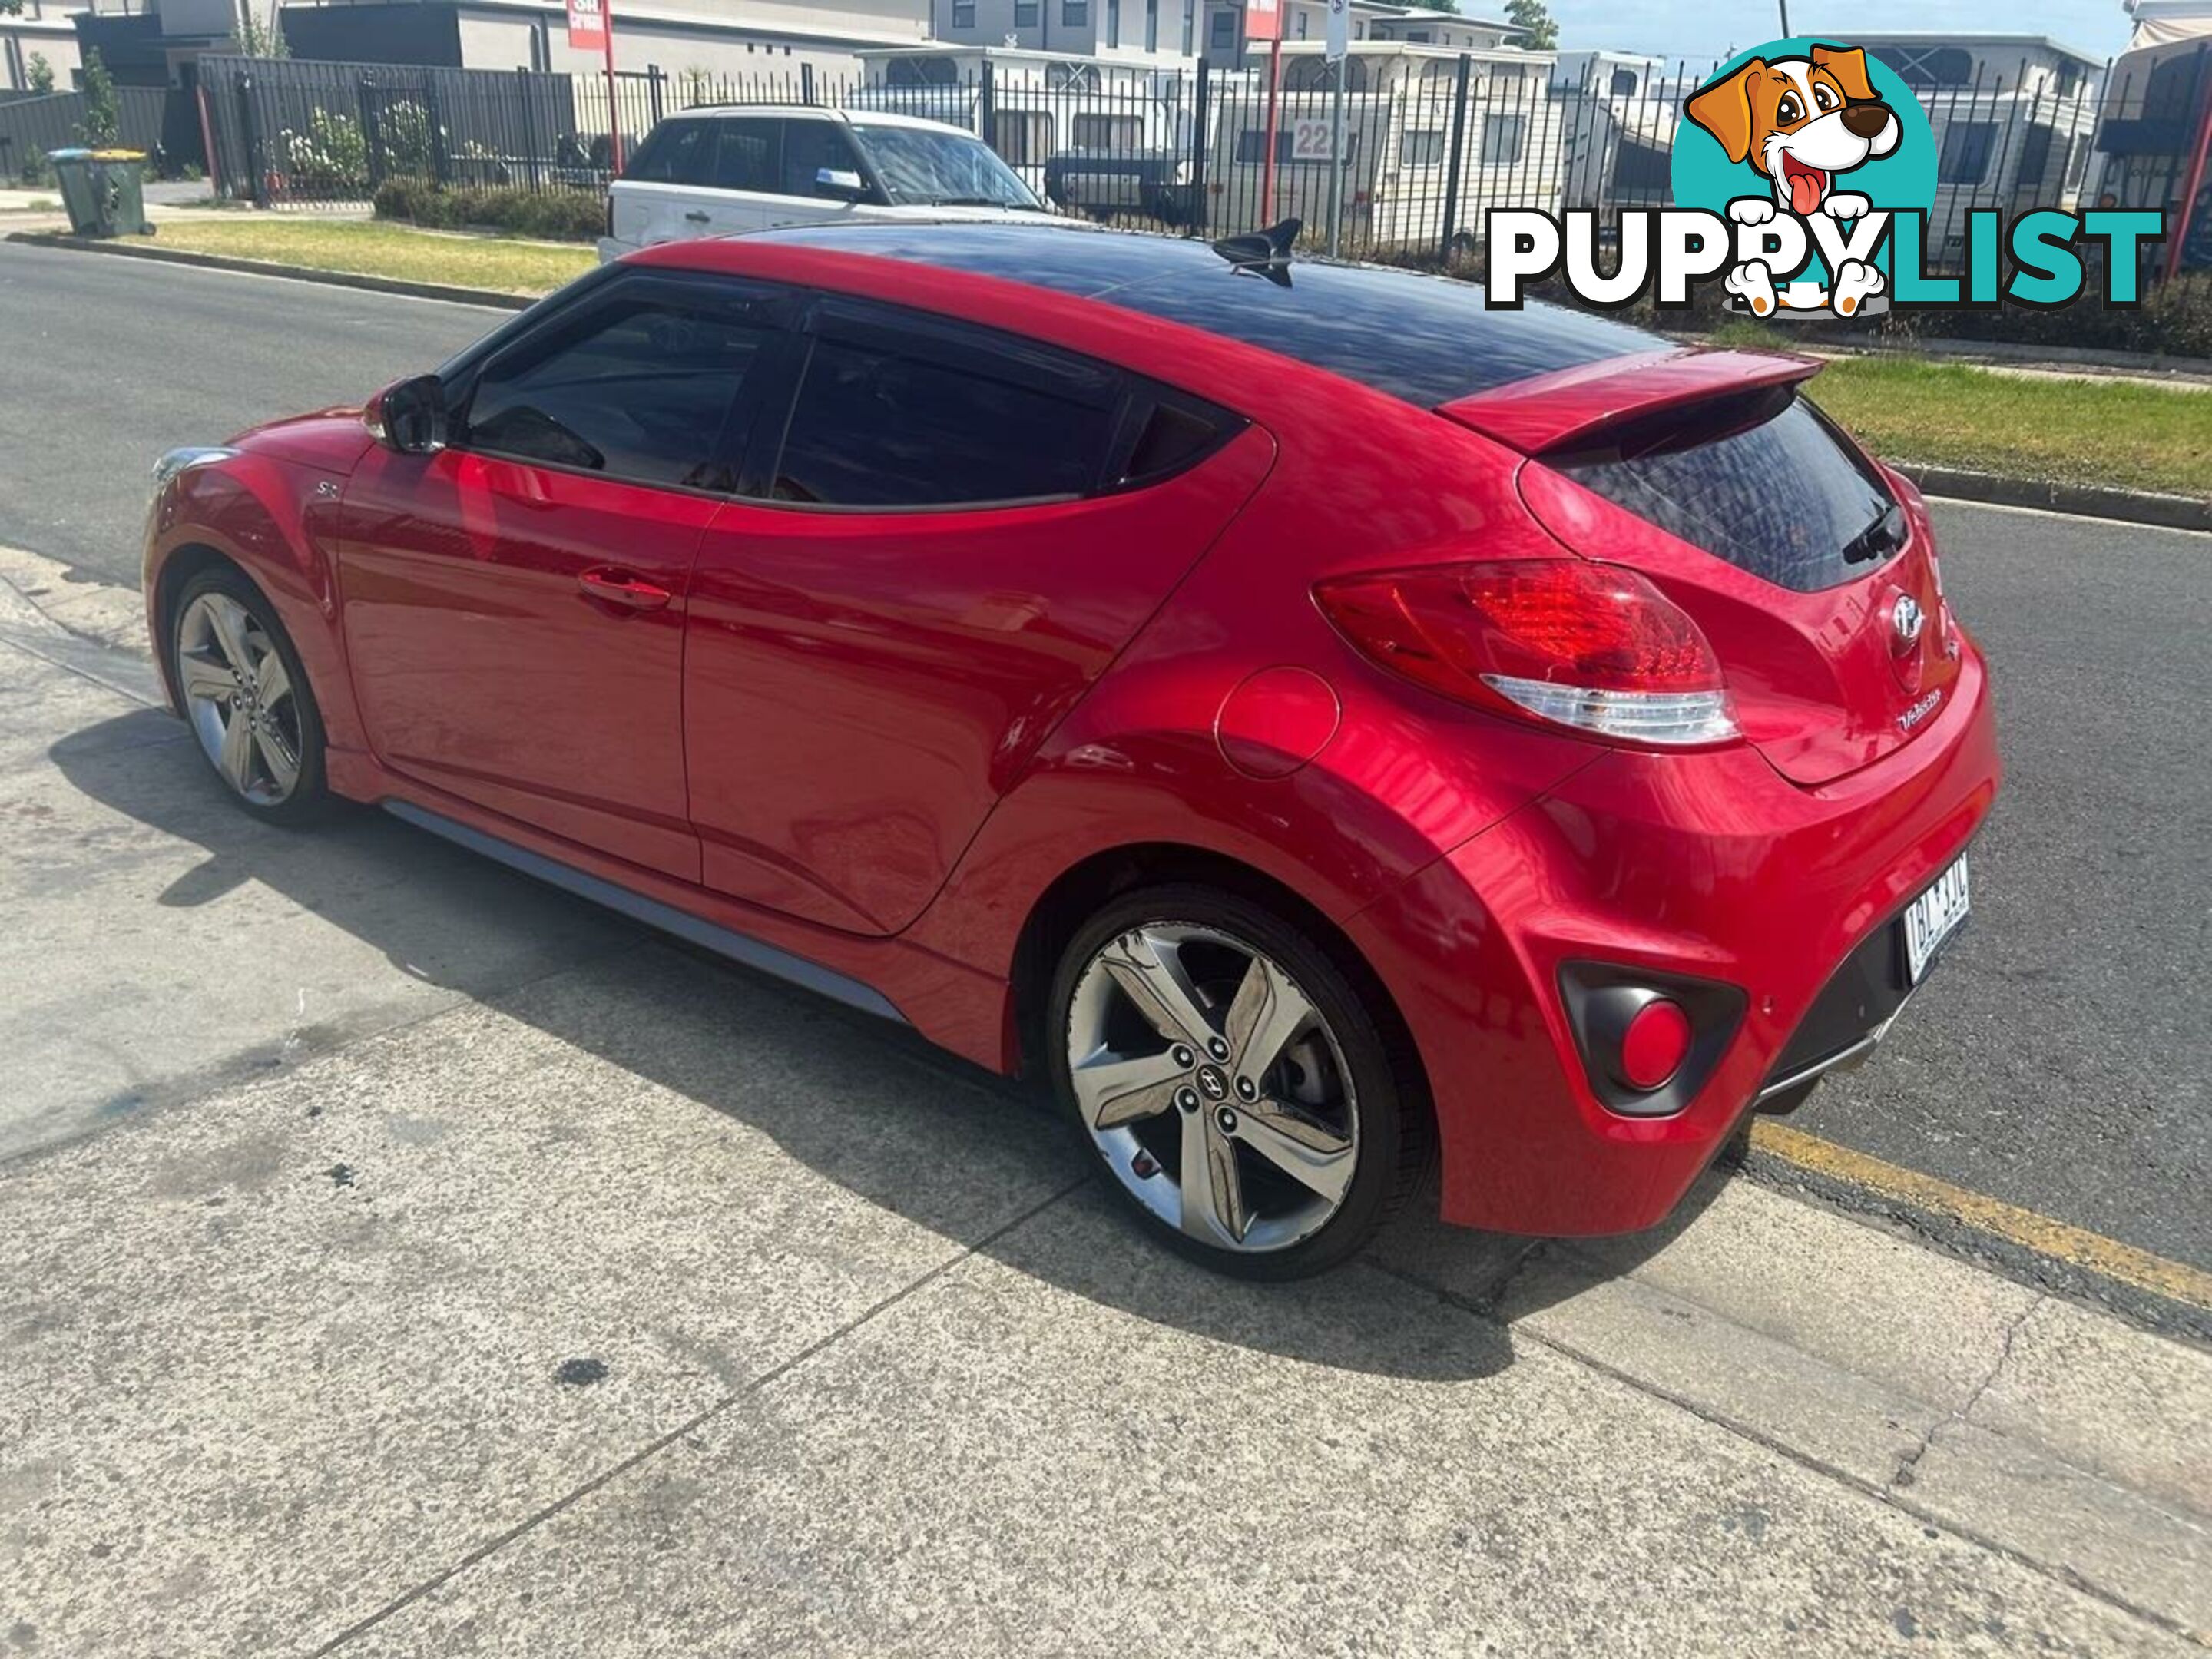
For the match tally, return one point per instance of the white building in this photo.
(2012, 116)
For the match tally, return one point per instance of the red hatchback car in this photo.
(1318, 721)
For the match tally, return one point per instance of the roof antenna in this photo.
(1264, 252)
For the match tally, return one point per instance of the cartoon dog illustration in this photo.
(1800, 121)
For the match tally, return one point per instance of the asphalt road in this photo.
(2058, 1060)
(104, 363)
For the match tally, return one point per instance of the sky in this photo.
(1703, 30)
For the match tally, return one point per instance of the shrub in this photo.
(329, 158)
(562, 216)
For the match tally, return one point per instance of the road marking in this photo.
(2176, 1281)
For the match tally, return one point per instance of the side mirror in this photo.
(839, 185)
(409, 415)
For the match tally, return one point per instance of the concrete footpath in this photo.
(397, 1257)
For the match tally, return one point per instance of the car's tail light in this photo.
(1593, 646)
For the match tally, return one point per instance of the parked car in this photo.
(1107, 185)
(717, 171)
(1315, 722)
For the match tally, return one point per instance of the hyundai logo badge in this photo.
(1907, 618)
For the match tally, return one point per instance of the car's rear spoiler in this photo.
(1554, 411)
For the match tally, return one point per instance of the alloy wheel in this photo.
(1212, 1086)
(240, 699)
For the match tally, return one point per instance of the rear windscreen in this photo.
(1764, 482)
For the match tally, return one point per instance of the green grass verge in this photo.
(2115, 433)
(380, 250)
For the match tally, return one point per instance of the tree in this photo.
(103, 119)
(256, 38)
(1433, 5)
(38, 73)
(1538, 32)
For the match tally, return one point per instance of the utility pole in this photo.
(1339, 28)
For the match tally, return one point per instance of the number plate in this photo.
(1932, 918)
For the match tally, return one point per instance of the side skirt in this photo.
(723, 941)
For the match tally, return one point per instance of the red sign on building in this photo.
(587, 25)
(1263, 20)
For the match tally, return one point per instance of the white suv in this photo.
(716, 171)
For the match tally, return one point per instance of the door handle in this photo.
(621, 587)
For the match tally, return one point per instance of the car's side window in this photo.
(642, 383)
(809, 146)
(745, 153)
(679, 153)
(924, 413)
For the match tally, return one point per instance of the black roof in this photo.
(1425, 339)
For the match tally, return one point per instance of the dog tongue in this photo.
(1804, 191)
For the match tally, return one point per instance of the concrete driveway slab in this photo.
(163, 943)
(1071, 1443)
(270, 1358)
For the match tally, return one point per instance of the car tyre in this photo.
(246, 698)
(1309, 1116)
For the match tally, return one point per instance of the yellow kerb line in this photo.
(2175, 1280)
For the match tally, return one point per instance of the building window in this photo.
(1929, 66)
(1416, 37)
(1422, 149)
(2034, 161)
(1113, 22)
(1967, 147)
(1224, 26)
(1502, 137)
(1189, 27)
(1624, 83)
(1301, 26)
(1152, 25)
(964, 14)
(1025, 14)
(1075, 13)
(1106, 134)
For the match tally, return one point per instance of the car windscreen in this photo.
(918, 167)
(1762, 482)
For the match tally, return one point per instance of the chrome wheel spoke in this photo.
(1115, 1089)
(1149, 971)
(272, 684)
(277, 758)
(236, 757)
(203, 678)
(1267, 1012)
(1213, 1191)
(230, 623)
(1300, 1145)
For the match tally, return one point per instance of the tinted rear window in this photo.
(899, 411)
(1765, 483)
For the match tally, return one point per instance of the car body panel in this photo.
(471, 640)
(851, 719)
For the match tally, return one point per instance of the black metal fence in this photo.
(29, 127)
(1430, 141)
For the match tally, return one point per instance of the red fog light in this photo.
(1655, 1044)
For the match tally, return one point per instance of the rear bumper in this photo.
(1711, 867)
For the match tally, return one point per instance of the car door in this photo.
(657, 198)
(946, 542)
(515, 603)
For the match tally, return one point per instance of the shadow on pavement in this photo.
(665, 1014)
